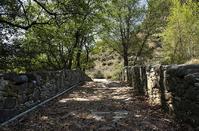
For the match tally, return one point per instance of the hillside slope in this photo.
(107, 64)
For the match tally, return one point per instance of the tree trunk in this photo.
(70, 62)
(125, 55)
(79, 52)
(141, 49)
(78, 58)
(126, 61)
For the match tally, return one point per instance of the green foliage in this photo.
(156, 15)
(38, 35)
(116, 75)
(181, 34)
(98, 75)
(57, 37)
(123, 20)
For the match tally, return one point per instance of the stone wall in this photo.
(174, 87)
(19, 92)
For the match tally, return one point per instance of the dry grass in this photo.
(193, 61)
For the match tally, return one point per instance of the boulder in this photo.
(10, 76)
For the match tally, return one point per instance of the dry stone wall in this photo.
(174, 87)
(19, 92)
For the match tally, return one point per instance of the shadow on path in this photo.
(103, 106)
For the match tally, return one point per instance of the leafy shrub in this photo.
(99, 75)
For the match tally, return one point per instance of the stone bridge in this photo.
(158, 98)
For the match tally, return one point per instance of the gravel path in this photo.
(98, 106)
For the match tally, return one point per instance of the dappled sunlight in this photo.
(137, 116)
(73, 99)
(92, 98)
(97, 118)
(100, 91)
(44, 118)
(67, 65)
(93, 107)
(122, 97)
(87, 116)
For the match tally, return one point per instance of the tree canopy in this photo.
(62, 34)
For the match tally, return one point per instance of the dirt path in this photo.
(101, 106)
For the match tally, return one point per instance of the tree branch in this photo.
(141, 48)
(43, 7)
(23, 26)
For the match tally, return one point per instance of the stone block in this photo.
(7, 113)
(29, 103)
(20, 79)
(1, 103)
(9, 76)
(183, 70)
(22, 98)
(3, 84)
(36, 94)
(196, 85)
(10, 103)
(192, 78)
(2, 94)
(191, 94)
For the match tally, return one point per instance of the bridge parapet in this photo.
(18, 92)
(174, 87)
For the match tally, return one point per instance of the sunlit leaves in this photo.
(181, 35)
